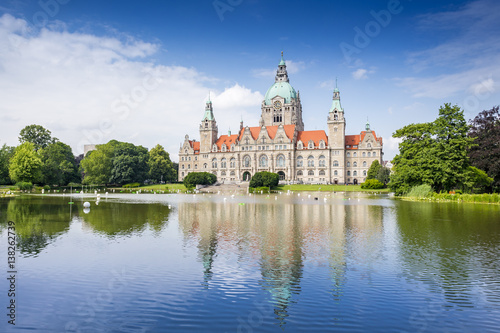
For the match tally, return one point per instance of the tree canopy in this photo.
(37, 135)
(485, 153)
(265, 178)
(199, 178)
(25, 165)
(6, 154)
(59, 166)
(433, 153)
(160, 166)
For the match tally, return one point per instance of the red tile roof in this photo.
(315, 136)
(228, 140)
(271, 131)
(354, 140)
(195, 145)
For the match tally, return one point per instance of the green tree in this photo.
(485, 153)
(25, 165)
(130, 164)
(160, 166)
(59, 166)
(373, 170)
(6, 154)
(384, 175)
(477, 181)
(97, 164)
(432, 153)
(265, 178)
(199, 178)
(36, 134)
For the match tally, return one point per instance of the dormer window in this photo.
(311, 144)
(299, 145)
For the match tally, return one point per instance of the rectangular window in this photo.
(284, 147)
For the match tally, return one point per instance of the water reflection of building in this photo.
(282, 237)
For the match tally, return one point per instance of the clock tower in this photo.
(208, 129)
(281, 105)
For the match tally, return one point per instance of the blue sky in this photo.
(91, 71)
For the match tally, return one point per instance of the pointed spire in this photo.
(241, 123)
(229, 132)
(281, 73)
(336, 99)
(367, 125)
(209, 114)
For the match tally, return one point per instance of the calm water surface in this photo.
(286, 263)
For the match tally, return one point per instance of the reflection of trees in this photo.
(118, 218)
(38, 220)
(449, 247)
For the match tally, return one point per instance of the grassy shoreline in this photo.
(493, 198)
(328, 188)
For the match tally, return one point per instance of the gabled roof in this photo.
(271, 131)
(228, 140)
(354, 140)
(195, 145)
(315, 136)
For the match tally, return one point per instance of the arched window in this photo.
(348, 173)
(311, 144)
(214, 148)
(223, 163)
(322, 144)
(300, 161)
(322, 161)
(364, 163)
(189, 166)
(364, 172)
(322, 172)
(196, 166)
(310, 173)
(374, 154)
(335, 173)
(310, 161)
(263, 161)
(182, 166)
(214, 163)
(364, 154)
(354, 154)
(205, 166)
(335, 163)
(232, 162)
(223, 173)
(369, 145)
(354, 173)
(355, 164)
(335, 117)
(280, 161)
(182, 174)
(369, 154)
(232, 173)
(348, 164)
(223, 147)
(246, 161)
(299, 173)
(182, 158)
(348, 154)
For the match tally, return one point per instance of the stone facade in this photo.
(279, 144)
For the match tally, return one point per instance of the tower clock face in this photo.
(277, 105)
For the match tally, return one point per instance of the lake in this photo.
(262, 263)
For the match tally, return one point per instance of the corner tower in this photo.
(336, 123)
(208, 129)
(281, 105)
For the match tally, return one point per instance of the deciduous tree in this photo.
(36, 134)
(25, 165)
(160, 165)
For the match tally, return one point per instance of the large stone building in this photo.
(281, 145)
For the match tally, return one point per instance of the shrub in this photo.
(131, 185)
(74, 184)
(46, 187)
(420, 191)
(199, 178)
(24, 186)
(265, 179)
(263, 189)
(374, 184)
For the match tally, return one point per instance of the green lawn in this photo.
(327, 188)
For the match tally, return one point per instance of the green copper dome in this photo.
(282, 89)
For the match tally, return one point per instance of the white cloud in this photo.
(361, 73)
(391, 147)
(90, 89)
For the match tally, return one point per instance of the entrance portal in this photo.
(282, 175)
(355, 181)
(246, 176)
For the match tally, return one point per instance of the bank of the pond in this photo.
(328, 188)
(446, 197)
